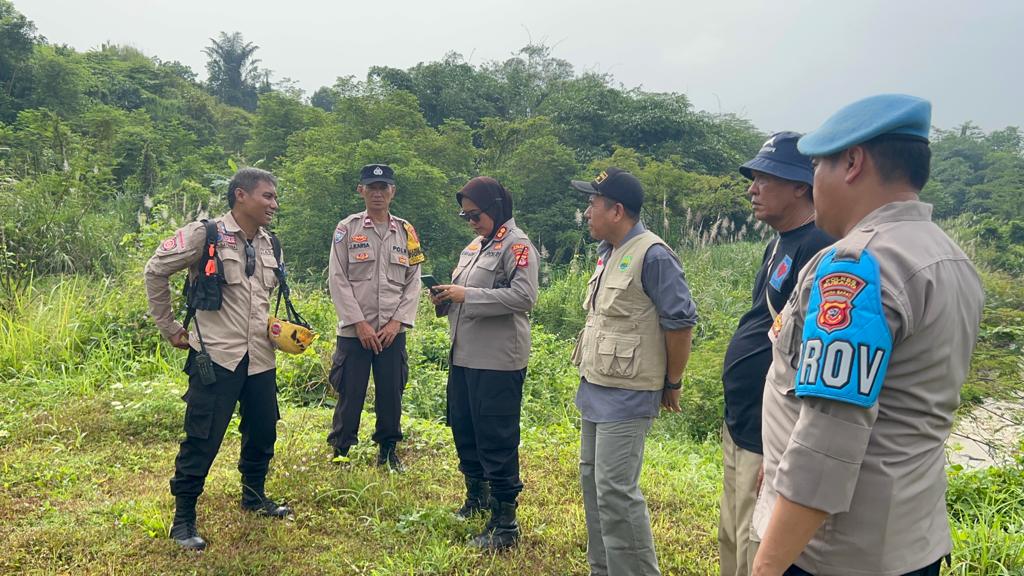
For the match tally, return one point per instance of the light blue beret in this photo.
(883, 115)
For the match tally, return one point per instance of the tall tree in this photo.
(233, 74)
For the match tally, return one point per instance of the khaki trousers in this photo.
(739, 493)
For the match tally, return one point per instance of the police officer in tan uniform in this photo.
(869, 356)
(374, 279)
(493, 288)
(235, 337)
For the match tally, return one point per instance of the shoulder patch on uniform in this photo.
(339, 234)
(781, 272)
(412, 245)
(846, 340)
(175, 243)
(522, 254)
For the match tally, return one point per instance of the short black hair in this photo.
(898, 159)
(247, 179)
(611, 202)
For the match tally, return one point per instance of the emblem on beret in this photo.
(601, 177)
(377, 171)
(837, 293)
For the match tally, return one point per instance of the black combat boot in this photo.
(478, 494)
(340, 455)
(255, 500)
(502, 530)
(183, 529)
(388, 456)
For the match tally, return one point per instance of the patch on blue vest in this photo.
(846, 341)
(781, 273)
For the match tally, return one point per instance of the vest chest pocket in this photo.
(613, 296)
(234, 266)
(616, 355)
(362, 263)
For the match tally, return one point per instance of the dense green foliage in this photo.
(96, 145)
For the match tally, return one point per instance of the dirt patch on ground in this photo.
(988, 435)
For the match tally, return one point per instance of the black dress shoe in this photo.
(269, 508)
(187, 537)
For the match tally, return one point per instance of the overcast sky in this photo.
(785, 65)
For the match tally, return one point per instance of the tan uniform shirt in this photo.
(240, 326)
(491, 330)
(370, 277)
(877, 470)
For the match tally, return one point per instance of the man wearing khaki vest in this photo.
(374, 279)
(631, 355)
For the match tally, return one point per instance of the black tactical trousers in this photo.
(484, 407)
(350, 375)
(208, 410)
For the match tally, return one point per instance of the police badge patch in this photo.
(837, 294)
(846, 339)
(339, 235)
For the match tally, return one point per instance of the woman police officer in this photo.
(493, 287)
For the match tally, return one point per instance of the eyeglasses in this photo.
(250, 259)
(473, 215)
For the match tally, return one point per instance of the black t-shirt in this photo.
(750, 351)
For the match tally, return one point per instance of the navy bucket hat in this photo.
(779, 157)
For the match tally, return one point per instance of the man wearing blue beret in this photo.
(868, 359)
(781, 196)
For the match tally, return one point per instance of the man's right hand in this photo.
(368, 337)
(180, 340)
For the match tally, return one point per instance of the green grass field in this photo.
(90, 416)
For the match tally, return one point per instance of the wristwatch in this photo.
(669, 385)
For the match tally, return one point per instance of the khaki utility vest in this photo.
(622, 344)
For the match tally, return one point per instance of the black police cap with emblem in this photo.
(616, 184)
(376, 173)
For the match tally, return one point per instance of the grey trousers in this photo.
(619, 541)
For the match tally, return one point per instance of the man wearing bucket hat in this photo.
(869, 356)
(374, 279)
(780, 194)
(631, 356)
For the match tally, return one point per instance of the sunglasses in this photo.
(250, 259)
(472, 215)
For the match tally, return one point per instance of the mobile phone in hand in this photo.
(429, 281)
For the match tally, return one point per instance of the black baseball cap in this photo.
(376, 173)
(616, 184)
(779, 157)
